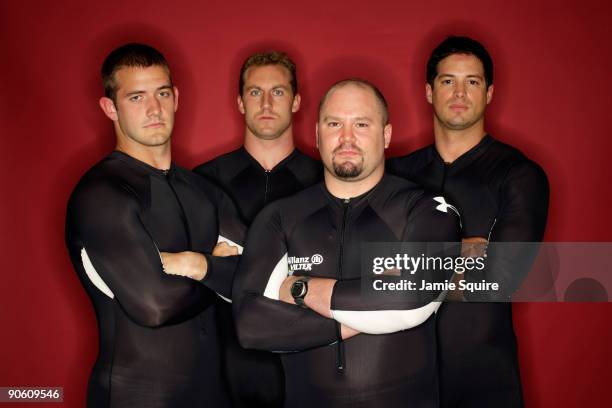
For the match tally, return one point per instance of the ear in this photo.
(387, 134)
(490, 90)
(428, 93)
(240, 104)
(176, 95)
(317, 134)
(108, 107)
(297, 99)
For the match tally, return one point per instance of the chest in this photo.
(180, 217)
(330, 243)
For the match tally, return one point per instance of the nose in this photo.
(266, 100)
(347, 135)
(459, 89)
(153, 107)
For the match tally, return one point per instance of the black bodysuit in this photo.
(502, 196)
(394, 368)
(158, 336)
(255, 378)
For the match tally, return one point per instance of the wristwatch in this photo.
(299, 289)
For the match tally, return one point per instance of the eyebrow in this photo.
(359, 118)
(168, 86)
(248, 88)
(469, 76)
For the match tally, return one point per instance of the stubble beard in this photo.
(269, 136)
(458, 122)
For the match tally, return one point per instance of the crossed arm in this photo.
(215, 270)
(267, 317)
(521, 221)
(112, 248)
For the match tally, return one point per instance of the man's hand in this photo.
(190, 264)
(224, 249)
(347, 332)
(471, 247)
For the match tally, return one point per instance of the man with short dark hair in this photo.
(158, 337)
(339, 347)
(265, 168)
(501, 196)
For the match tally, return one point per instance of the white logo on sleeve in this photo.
(304, 263)
(444, 206)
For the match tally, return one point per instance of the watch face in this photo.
(298, 289)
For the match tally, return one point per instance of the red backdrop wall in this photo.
(553, 62)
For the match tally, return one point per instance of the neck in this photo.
(451, 144)
(269, 153)
(348, 189)
(155, 156)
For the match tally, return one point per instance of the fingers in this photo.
(190, 264)
(347, 332)
(170, 263)
(224, 249)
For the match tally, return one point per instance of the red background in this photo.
(553, 63)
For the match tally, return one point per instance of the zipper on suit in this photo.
(340, 358)
(267, 184)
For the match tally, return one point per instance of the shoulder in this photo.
(302, 159)
(107, 178)
(200, 183)
(516, 164)
(414, 198)
(220, 165)
(292, 209)
(305, 167)
(393, 189)
(410, 163)
(105, 191)
(414, 213)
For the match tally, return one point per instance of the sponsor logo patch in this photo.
(304, 263)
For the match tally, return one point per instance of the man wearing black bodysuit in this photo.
(158, 336)
(265, 168)
(502, 196)
(339, 347)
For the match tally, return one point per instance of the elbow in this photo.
(154, 313)
(250, 333)
(152, 316)
(252, 324)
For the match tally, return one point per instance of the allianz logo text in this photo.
(304, 263)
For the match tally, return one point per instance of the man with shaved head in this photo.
(341, 348)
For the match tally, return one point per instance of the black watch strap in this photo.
(299, 289)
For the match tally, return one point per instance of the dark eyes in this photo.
(140, 97)
(259, 92)
(335, 124)
(474, 82)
